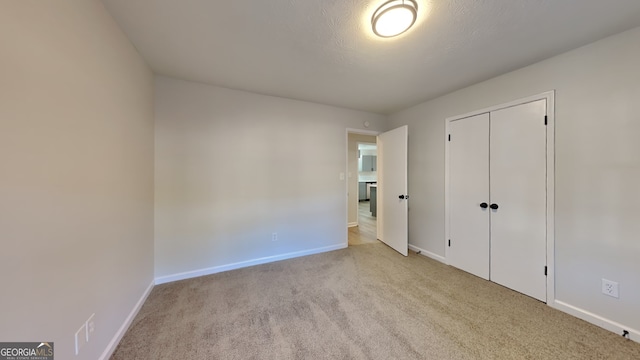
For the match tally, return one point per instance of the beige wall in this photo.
(76, 165)
(234, 167)
(597, 169)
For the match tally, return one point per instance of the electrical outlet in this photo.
(610, 288)
(81, 338)
(90, 326)
(274, 237)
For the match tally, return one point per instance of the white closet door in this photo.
(468, 189)
(518, 188)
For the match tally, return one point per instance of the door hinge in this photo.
(545, 271)
(449, 242)
(449, 137)
(545, 119)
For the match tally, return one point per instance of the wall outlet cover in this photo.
(91, 326)
(610, 288)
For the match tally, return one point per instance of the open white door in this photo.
(392, 189)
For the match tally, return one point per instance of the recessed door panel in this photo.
(468, 190)
(518, 190)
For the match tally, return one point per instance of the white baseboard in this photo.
(242, 264)
(597, 320)
(428, 254)
(352, 224)
(106, 354)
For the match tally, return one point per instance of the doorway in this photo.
(362, 188)
(392, 226)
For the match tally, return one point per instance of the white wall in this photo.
(76, 164)
(597, 168)
(234, 167)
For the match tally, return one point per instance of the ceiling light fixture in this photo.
(394, 17)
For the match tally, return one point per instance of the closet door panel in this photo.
(518, 189)
(468, 189)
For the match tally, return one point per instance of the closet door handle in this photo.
(494, 206)
(484, 205)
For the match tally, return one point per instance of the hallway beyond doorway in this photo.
(365, 232)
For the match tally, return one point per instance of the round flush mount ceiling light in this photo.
(394, 17)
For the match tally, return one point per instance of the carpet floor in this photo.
(363, 302)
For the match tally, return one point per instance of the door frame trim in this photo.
(549, 96)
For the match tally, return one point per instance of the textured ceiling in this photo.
(325, 52)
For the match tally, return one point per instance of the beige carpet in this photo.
(364, 302)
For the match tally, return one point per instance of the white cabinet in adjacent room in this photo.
(369, 163)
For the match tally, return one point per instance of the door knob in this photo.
(484, 205)
(401, 197)
(494, 206)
